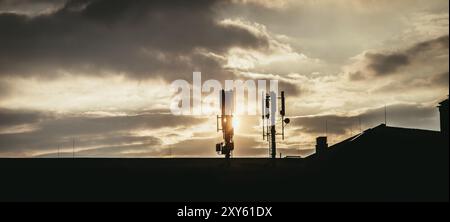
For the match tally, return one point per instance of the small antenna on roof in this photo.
(385, 122)
(359, 123)
(73, 147)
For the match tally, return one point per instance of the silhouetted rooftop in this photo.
(444, 103)
(390, 141)
(381, 164)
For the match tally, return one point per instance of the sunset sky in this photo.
(97, 72)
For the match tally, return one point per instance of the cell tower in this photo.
(269, 116)
(226, 123)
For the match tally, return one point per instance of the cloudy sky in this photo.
(96, 73)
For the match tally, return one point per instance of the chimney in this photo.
(321, 144)
(443, 111)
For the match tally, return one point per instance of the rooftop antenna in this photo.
(263, 114)
(385, 122)
(269, 113)
(226, 123)
(359, 122)
(73, 147)
(59, 146)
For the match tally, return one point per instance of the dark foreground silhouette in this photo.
(382, 164)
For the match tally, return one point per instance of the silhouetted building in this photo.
(321, 144)
(403, 162)
(443, 111)
(383, 163)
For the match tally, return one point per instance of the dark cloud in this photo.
(10, 117)
(245, 146)
(5, 89)
(440, 79)
(111, 136)
(403, 115)
(435, 81)
(332, 124)
(382, 64)
(81, 125)
(193, 147)
(152, 148)
(290, 89)
(54, 130)
(355, 76)
(140, 38)
(438, 43)
(189, 148)
(30, 7)
(146, 146)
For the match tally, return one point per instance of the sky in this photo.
(90, 78)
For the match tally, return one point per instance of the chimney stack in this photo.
(443, 111)
(321, 144)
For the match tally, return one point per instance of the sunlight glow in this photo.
(235, 123)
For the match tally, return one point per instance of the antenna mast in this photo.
(226, 122)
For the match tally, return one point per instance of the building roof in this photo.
(444, 103)
(400, 161)
(386, 147)
(387, 140)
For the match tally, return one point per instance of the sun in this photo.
(235, 122)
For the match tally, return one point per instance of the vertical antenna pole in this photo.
(73, 147)
(359, 120)
(273, 113)
(273, 142)
(267, 102)
(283, 113)
(385, 122)
(269, 117)
(263, 113)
